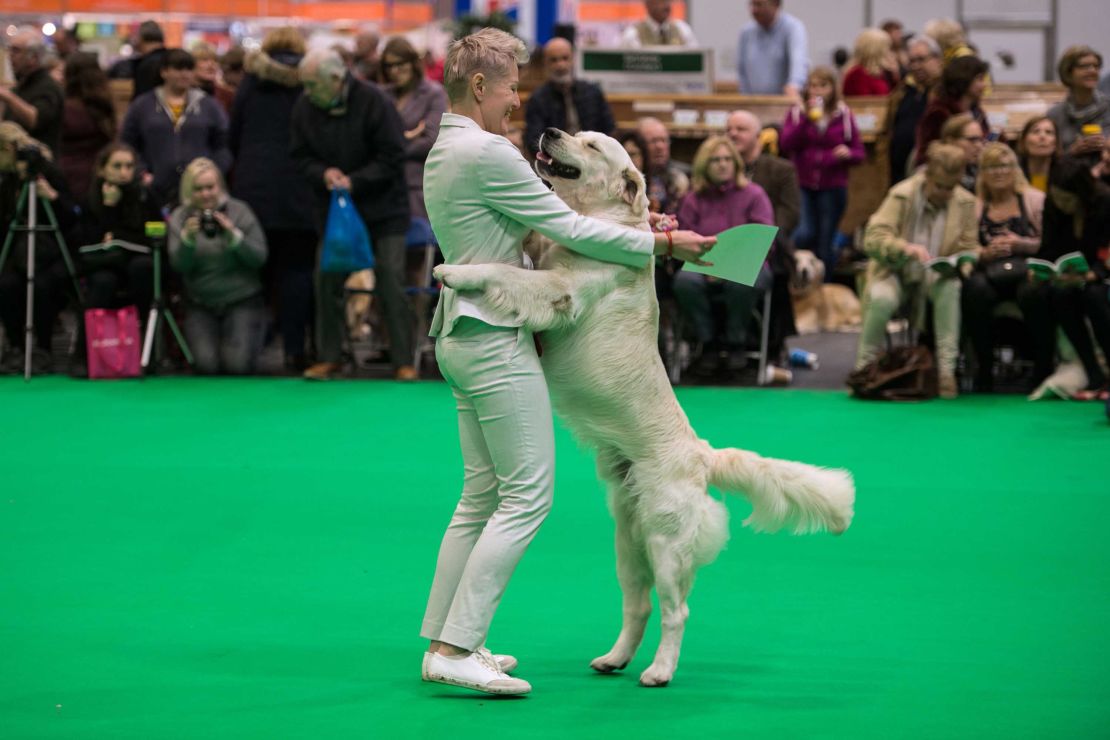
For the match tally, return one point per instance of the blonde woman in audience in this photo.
(1011, 214)
(218, 246)
(823, 141)
(951, 38)
(966, 133)
(874, 68)
(925, 216)
(1083, 118)
(1037, 149)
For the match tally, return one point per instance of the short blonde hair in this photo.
(195, 169)
(204, 52)
(872, 44)
(996, 153)
(489, 51)
(284, 38)
(1070, 58)
(948, 34)
(944, 158)
(953, 129)
(698, 177)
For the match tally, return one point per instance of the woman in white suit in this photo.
(482, 199)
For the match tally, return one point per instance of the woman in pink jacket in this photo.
(823, 141)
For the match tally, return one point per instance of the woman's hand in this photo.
(917, 252)
(335, 179)
(107, 237)
(1087, 144)
(224, 222)
(46, 190)
(842, 152)
(662, 222)
(413, 133)
(685, 245)
(111, 194)
(190, 228)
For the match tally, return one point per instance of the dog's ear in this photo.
(633, 190)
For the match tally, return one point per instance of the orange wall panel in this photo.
(330, 10)
(620, 11)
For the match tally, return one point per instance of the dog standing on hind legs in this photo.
(607, 381)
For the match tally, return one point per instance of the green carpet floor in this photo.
(187, 558)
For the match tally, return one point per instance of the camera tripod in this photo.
(29, 199)
(159, 311)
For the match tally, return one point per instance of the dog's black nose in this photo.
(553, 133)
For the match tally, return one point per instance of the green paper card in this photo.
(739, 253)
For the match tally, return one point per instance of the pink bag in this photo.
(112, 337)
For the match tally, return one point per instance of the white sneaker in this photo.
(476, 671)
(506, 663)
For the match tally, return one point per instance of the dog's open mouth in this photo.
(548, 166)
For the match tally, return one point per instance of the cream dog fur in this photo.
(821, 306)
(599, 324)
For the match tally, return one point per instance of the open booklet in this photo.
(949, 264)
(113, 244)
(1073, 262)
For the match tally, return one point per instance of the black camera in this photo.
(208, 224)
(32, 158)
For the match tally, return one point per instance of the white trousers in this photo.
(508, 449)
(884, 296)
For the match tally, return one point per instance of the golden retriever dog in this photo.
(600, 322)
(820, 306)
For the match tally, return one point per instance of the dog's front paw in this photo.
(459, 277)
(656, 676)
(608, 663)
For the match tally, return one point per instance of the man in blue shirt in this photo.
(773, 55)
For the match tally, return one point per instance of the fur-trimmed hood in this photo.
(280, 69)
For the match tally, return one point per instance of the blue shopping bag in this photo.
(346, 241)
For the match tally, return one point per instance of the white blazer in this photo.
(483, 198)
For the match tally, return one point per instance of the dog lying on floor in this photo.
(600, 324)
(820, 306)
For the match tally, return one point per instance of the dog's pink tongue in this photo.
(543, 157)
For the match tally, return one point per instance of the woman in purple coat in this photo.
(823, 141)
(421, 103)
(721, 197)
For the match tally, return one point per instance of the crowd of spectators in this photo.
(239, 154)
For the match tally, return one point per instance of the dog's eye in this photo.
(592, 145)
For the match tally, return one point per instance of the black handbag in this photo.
(902, 374)
(1005, 272)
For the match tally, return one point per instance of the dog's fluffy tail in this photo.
(786, 494)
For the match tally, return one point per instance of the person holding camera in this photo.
(22, 159)
(217, 244)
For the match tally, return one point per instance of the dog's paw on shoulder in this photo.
(455, 276)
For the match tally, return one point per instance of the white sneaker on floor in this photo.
(476, 671)
(506, 663)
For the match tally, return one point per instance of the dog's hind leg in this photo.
(634, 574)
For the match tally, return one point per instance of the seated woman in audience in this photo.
(823, 141)
(88, 120)
(1101, 171)
(52, 281)
(118, 207)
(421, 103)
(1076, 219)
(721, 197)
(961, 88)
(874, 69)
(1037, 148)
(966, 133)
(1083, 118)
(216, 243)
(1010, 219)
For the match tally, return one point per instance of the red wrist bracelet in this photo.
(670, 244)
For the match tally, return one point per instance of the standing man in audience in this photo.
(775, 175)
(148, 67)
(928, 215)
(347, 135)
(36, 102)
(906, 105)
(366, 64)
(658, 29)
(773, 55)
(564, 102)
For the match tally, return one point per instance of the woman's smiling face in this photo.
(499, 100)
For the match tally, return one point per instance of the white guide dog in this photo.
(599, 324)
